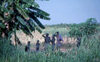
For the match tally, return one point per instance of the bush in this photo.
(88, 28)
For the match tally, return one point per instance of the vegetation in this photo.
(51, 30)
(23, 15)
(88, 28)
(88, 52)
(18, 15)
(74, 30)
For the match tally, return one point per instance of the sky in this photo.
(70, 11)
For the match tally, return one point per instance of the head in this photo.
(37, 41)
(47, 34)
(57, 33)
(28, 41)
(53, 35)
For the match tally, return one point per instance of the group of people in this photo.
(51, 41)
(47, 42)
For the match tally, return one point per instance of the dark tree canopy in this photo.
(20, 15)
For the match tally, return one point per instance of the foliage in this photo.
(20, 15)
(58, 25)
(87, 28)
(5, 48)
(62, 28)
(88, 52)
(53, 30)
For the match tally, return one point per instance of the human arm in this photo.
(43, 35)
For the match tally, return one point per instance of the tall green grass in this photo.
(89, 51)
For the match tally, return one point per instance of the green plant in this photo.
(88, 52)
(18, 15)
(88, 28)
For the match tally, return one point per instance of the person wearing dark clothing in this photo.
(47, 40)
(37, 45)
(78, 41)
(53, 42)
(27, 47)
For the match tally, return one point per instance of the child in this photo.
(53, 42)
(47, 41)
(78, 41)
(27, 47)
(37, 45)
(47, 38)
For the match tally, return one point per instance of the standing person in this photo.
(37, 45)
(47, 40)
(53, 42)
(78, 41)
(27, 47)
(59, 39)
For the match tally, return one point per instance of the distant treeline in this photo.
(59, 25)
(62, 25)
